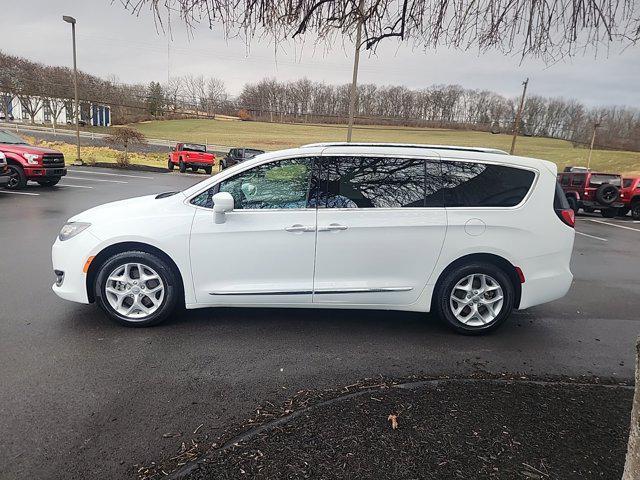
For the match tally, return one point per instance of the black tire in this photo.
(445, 287)
(182, 166)
(207, 170)
(622, 211)
(17, 178)
(635, 211)
(573, 204)
(609, 212)
(165, 272)
(606, 194)
(194, 169)
(171, 165)
(49, 183)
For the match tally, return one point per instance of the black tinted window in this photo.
(469, 184)
(370, 182)
(564, 179)
(560, 201)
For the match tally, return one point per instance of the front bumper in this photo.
(38, 172)
(68, 259)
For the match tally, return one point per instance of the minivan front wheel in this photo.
(475, 298)
(137, 289)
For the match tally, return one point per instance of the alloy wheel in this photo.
(476, 300)
(135, 291)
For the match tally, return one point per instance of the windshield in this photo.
(11, 138)
(194, 147)
(599, 178)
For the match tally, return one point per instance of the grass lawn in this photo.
(274, 136)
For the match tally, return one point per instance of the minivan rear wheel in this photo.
(137, 289)
(475, 298)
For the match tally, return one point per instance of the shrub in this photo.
(244, 115)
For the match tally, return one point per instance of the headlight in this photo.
(72, 229)
(31, 158)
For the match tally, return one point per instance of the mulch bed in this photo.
(447, 429)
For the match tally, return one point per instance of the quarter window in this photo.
(375, 182)
(468, 184)
(577, 180)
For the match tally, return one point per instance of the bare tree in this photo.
(547, 29)
(125, 137)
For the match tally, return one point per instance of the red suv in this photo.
(26, 162)
(630, 196)
(592, 190)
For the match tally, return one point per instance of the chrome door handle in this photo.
(300, 228)
(332, 227)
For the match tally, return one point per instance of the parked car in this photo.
(4, 117)
(82, 123)
(630, 196)
(238, 155)
(4, 170)
(469, 233)
(191, 155)
(27, 162)
(592, 191)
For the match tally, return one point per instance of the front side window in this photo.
(379, 182)
(468, 184)
(627, 182)
(281, 184)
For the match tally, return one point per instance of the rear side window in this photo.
(564, 180)
(375, 182)
(578, 180)
(468, 184)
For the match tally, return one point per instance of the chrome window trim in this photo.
(322, 291)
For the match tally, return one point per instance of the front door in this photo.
(264, 251)
(381, 226)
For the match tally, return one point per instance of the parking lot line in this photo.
(614, 225)
(105, 173)
(96, 179)
(75, 186)
(19, 193)
(592, 236)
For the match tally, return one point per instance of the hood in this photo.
(19, 149)
(129, 208)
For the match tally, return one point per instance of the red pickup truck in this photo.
(191, 155)
(26, 162)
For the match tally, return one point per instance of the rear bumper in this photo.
(546, 279)
(599, 206)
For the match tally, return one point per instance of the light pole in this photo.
(72, 21)
(593, 139)
(354, 81)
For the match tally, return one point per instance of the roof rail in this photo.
(407, 145)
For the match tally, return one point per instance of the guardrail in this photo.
(19, 127)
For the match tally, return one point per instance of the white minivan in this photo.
(470, 233)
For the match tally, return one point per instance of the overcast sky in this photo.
(112, 42)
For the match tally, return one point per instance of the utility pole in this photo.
(354, 80)
(593, 139)
(516, 126)
(72, 21)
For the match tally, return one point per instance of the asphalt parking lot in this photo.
(82, 397)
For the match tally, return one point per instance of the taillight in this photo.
(568, 216)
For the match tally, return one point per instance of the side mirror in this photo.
(222, 203)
